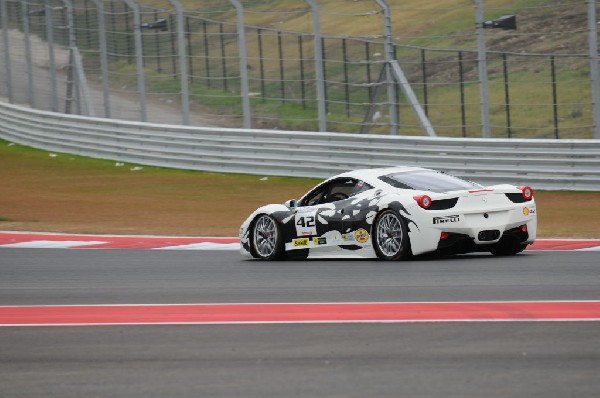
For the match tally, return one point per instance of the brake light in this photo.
(423, 200)
(524, 228)
(482, 190)
(527, 192)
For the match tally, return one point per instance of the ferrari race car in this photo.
(395, 212)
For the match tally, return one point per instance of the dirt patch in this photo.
(39, 50)
(568, 214)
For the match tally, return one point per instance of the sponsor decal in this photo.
(527, 211)
(302, 242)
(446, 219)
(348, 237)
(319, 241)
(361, 235)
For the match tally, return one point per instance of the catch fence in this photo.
(531, 95)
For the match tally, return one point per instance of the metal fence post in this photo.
(482, 63)
(302, 81)
(72, 44)
(281, 68)
(51, 59)
(28, 61)
(593, 46)
(554, 95)
(183, 70)
(244, 90)
(6, 57)
(389, 57)
(139, 58)
(261, 64)
(103, 55)
(223, 57)
(507, 94)
(319, 66)
(463, 116)
(206, 55)
(424, 74)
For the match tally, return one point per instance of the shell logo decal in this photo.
(361, 235)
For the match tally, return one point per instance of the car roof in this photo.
(372, 175)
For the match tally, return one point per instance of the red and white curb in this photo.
(11, 239)
(566, 244)
(271, 313)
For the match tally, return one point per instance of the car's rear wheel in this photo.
(390, 237)
(267, 243)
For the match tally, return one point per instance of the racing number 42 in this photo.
(306, 221)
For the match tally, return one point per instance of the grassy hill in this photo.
(544, 26)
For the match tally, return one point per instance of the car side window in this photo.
(314, 198)
(339, 189)
(359, 187)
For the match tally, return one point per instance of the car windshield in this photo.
(428, 180)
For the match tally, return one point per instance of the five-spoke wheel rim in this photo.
(389, 234)
(265, 236)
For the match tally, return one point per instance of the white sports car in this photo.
(397, 212)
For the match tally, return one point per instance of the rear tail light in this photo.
(444, 236)
(524, 228)
(527, 192)
(423, 200)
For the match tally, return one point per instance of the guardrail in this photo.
(544, 164)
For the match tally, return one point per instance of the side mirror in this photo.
(291, 204)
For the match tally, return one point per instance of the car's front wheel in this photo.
(390, 237)
(267, 243)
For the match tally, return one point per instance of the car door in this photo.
(321, 210)
(358, 214)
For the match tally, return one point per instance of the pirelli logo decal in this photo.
(446, 219)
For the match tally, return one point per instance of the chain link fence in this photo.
(122, 59)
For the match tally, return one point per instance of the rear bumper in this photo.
(473, 230)
(456, 243)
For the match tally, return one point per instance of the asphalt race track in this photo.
(504, 358)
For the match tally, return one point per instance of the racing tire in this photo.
(266, 241)
(390, 236)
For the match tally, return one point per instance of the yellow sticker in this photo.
(300, 242)
(526, 211)
(361, 235)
